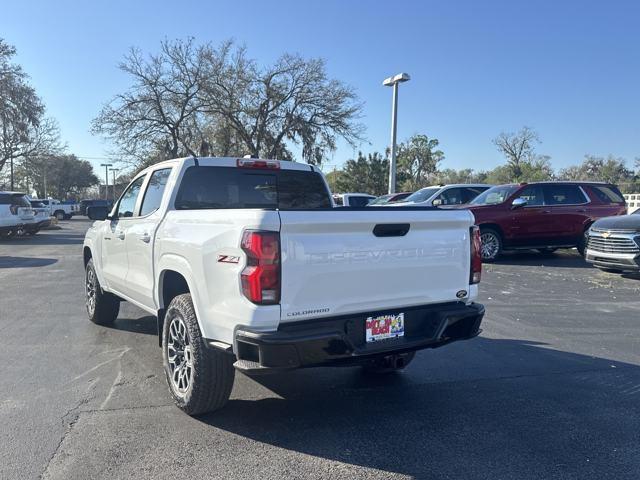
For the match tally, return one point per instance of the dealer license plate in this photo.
(384, 326)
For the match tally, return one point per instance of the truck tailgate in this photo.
(334, 264)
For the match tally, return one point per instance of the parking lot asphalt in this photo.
(550, 390)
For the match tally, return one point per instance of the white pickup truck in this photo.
(62, 211)
(246, 263)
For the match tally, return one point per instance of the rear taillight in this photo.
(254, 163)
(475, 272)
(261, 276)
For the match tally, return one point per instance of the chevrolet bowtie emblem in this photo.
(606, 234)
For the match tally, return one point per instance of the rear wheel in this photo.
(102, 307)
(491, 244)
(390, 363)
(200, 378)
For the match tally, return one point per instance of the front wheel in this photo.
(59, 215)
(491, 244)
(200, 378)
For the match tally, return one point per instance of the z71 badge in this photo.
(228, 259)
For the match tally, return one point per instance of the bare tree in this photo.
(192, 98)
(292, 101)
(517, 148)
(160, 115)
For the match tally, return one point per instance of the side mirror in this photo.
(437, 202)
(98, 213)
(518, 203)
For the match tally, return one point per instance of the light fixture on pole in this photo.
(106, 179)
(113, 171)
(393, 82)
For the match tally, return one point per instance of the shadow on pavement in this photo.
(530, 412)
(53, 237)
(146, 325)
(25, 262)
(558, 259)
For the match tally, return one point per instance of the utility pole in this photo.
(393, 82)
(11, 165)
(106, 179)
(114, 170)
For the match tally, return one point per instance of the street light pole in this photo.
(393, 82)
(106, 179)
(114, 170)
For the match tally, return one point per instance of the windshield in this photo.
(494, 195)
(422, 195)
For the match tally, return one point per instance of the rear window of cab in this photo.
(233, 188)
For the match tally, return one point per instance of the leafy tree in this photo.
(365, 174)
(66, 176)
(418, 160)
(333, 178)
(466, 175)
(610, 169)
(196, 98)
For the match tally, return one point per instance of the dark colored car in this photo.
(84, 204)
(613, 243)
(542, 215)
(389, 198)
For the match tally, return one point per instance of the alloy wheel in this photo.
(179, 356)
(490, 245)
(91, 288)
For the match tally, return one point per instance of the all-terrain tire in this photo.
(102, 307)
(204, 382)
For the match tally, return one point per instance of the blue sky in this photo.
(569, 69)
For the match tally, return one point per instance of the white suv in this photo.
(437, 195)
(16, 214)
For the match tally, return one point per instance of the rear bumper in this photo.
(341, 340)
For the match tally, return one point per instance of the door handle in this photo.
(546, 211)
(120, 235)
(145, 237)
(581, 210)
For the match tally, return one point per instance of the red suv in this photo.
(543, 215)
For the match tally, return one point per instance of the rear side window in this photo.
(228, 187)
(564, 195)
(14, 199)
(607, 193)
(155, 190)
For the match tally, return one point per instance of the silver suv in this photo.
(437, 195)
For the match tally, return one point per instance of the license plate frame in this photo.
(379, 328)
